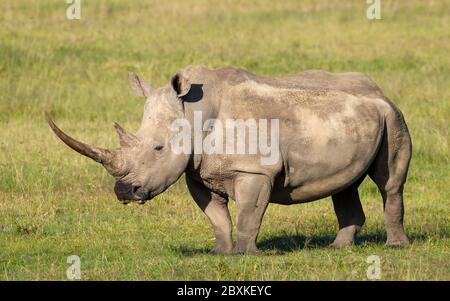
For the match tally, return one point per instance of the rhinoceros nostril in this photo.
(134, 189)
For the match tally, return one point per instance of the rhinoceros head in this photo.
(144, 165)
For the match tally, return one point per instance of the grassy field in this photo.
(55, 203)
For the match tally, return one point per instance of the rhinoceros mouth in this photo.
(127, 193)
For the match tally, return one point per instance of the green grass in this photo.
(55, 203)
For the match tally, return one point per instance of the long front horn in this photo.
(109, 158)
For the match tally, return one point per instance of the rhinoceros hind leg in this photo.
(389, 171)
(350, 215)
(393, 219)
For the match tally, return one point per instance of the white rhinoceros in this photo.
(331, 131)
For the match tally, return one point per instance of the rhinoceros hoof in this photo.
(242, 250)
(397, 243)
(340, 244)
(220, 250)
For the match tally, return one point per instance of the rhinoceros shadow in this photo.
(286, 243)
(289, 243)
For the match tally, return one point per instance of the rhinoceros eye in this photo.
(159, 147)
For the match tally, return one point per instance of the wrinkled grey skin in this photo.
(334, 130)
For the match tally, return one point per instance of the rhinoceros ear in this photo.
(181, 84)
(139, 87)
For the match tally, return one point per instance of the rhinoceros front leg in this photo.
(252, 193)
(215, 207)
